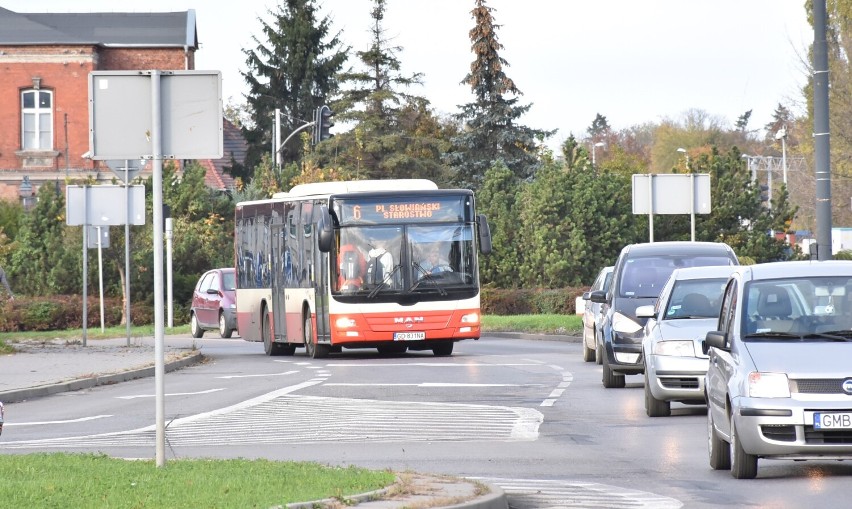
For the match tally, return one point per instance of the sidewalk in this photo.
(42, 368)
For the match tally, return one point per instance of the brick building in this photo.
(45, 61)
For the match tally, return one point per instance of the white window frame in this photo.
(42, 137)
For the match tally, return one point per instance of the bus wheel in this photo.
(443, 349)
(266, 333)
(312, 349)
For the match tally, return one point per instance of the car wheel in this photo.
(653, 406)
(443, 349)
(610, 379)
(719, 451)
(194, 328)
(312, 349)
(224, 331)
(743, 464)
(588, 353)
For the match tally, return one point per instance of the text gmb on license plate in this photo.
(832, 420)
(408, 336)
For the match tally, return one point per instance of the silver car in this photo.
(779, 383)
(675, 364)
(592, 316)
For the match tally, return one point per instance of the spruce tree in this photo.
(396, 134)
(491, 130)
(295, 70)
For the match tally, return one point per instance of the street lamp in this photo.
(25, 191)
(782, 135)
(684, 152)
(598, 144)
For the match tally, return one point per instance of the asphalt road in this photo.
(529, 416)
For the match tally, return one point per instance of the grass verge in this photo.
(540, 324)
(88, 480)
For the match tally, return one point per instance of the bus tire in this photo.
(312, 349)
(444, 349)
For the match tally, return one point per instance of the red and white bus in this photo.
(386, 264)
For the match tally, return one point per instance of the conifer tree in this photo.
(295, 70)
(491, 131)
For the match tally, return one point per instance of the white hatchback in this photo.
(675, 365)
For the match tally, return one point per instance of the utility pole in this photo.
(822, 144)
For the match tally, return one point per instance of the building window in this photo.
(37, 119)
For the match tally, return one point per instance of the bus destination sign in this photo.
(390, 211)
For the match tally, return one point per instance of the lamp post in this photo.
(25, 191)
(684, 152)
(782, 135)
(598, 144)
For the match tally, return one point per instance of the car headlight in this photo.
(679, 348)
(624, 325)
(768, 385)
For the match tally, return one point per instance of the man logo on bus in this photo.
(408, 319)
(847, 386)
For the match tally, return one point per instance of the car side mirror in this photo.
(714, 339)
(598, 296)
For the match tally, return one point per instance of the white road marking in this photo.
(548, 402)
(556, 393)
(257, 375)
(428, 364)
(523, 493)
(208, 391)
(69, 421)
(427, 384)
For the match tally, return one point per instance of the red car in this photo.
(214, 304)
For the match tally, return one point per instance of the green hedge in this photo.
(497, 301)
(66, 312)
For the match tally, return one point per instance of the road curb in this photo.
(19, 395)
(526, 335)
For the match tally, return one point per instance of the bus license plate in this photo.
(832, 420)
(408, 336)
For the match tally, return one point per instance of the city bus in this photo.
(384, 264)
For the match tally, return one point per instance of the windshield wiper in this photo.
(835, 335)
(772, 334)
(426, 277)
(386, 280)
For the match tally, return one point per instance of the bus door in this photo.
(279, 273)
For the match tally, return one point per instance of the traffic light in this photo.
(322, 124)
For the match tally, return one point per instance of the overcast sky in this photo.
(631, 61)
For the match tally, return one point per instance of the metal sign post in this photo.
(181, 119)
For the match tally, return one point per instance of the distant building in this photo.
(45, 61)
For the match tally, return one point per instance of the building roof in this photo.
(120, 29)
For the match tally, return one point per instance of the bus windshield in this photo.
(427, 261)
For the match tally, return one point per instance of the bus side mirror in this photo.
(484, 234)
(325, 230)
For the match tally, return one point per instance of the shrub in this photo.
(499, 301)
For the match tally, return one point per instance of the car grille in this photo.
(679, 383)
(817, 385)
(780, 432)
(840, 436)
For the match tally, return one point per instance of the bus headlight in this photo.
(344, 322)
(470, 318)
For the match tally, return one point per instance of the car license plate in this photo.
(832, 420)
(408, 336)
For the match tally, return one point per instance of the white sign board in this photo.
(104, 205)
(673, 193)
(121, 114)
(92, 237)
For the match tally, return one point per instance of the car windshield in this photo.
(814, 308)
(695, 298)
(644, 277)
